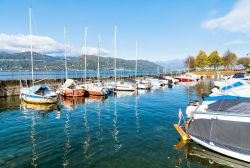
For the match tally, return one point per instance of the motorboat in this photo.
(239, 90)
(125, 86)
(188, 77)
(143, 85)
(227, 80)
(156, 83)
(223, 127)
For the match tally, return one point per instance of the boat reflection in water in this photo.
(194, 152)
(70, 103)
(38, 107)
(95, 98)
(126, 93)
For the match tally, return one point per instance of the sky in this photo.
(164, 29)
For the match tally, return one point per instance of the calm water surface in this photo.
(126, 130)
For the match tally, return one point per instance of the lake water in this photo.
(125, 131)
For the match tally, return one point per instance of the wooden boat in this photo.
(39, 94)
(94, 89)
(70, 89)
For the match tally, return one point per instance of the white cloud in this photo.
(237, 20)
(234, 42)
(41, 44)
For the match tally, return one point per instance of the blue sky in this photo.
(164, 29)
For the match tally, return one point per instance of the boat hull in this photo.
(95, 93)
(185, 80)
(37, 99)
(225, 134)
(66, 92)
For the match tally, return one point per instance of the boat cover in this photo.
(230, 135)
(237, 106)
(69, 83)
(238, 75)
(38, 87)
(227, 134)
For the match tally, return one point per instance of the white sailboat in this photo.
(141, 85)
(122, 85)
(40, 94)
(70, 88)
(93, 89)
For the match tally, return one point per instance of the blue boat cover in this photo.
(225, 97)
(239, 75)
(37, 87)
(236, 84)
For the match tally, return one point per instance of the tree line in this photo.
(214, 60)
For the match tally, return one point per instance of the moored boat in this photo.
(223, 127)
(188, 77)
(125, 86)
(39, 94)
(94, 89)
(70, 89)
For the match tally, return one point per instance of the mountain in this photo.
(175, 64)
(21, 61)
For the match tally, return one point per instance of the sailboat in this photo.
(93, 89)
(141, 85)
(122, 85)
(39, 94)
(70, 88)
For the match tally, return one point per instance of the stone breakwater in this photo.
(12, 87)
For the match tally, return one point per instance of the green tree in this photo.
(190, 63)
(229, 59)
(201, 60)
(214, 60)
(244, 61)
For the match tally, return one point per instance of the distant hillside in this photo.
(175, 64)
(21, 61)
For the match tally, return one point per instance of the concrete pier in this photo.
(12, 87)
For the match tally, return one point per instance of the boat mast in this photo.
(65, 54)
(85, 51)
(136, 53)
(31, 49)
(115, 56)
(188, 81)
(99, 53)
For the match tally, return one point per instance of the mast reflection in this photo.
(116, 131)
(67, 146)
(86, 141)
(33, 141)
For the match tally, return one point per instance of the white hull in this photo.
(223, 151)
(44, 100)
